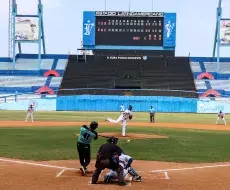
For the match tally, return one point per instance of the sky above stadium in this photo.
(196, 21)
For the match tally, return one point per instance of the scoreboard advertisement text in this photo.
(111, 30)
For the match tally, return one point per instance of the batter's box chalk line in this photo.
(37, 164)
(60, 173)
(191, 168)
(156, 176)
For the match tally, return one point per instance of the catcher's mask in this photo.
(93, 125)
(113, 140)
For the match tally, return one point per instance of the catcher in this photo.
(221, 116)
(127, 114)
(125, 161)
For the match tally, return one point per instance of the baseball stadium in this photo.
(122, 110)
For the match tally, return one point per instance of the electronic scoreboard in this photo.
(129, 30)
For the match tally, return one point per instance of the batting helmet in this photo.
(93, 125)
(113, 140)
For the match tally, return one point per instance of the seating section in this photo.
(26, 64)
(27, 77)
(15, 81)
(195, 66)
(210, 67)
(5, 66)
(200, 85)
(221, 82)
(168, 73)
(61, 64)
(55, 81)
(225, 67)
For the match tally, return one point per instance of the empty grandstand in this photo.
(163, 75)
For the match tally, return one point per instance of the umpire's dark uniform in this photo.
(105, 160)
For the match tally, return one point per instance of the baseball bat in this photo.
(104, 136)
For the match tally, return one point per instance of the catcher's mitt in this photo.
(130, 117)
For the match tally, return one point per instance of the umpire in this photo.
(105, 159)
(152, 114)
(87, 134)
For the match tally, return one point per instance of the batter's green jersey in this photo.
(86, 136)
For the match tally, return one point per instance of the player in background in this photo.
(125, 161)
(152, 114)
(122, 108)
(87, 134)
(221, 116)
(127, 114)
(30, 113)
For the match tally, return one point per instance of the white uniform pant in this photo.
(120, 119)
(222, 119)
(29, 115)
(114, 173)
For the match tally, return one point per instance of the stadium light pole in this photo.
(105, 4)
(129, 5)
(152, 5)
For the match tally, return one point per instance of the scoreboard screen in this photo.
(111, 29)
(129, 31)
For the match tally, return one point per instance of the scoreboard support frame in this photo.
(41, 37)
(217, 37)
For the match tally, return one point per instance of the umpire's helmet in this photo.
(113, 140)
(93, 125)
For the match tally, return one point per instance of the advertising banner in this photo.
(225, 32)
(212, 107)
(26, 28)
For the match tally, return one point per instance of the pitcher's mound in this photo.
(134, 136)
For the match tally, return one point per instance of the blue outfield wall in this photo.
(112, 103)
(40, 104)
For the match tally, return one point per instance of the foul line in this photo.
(193, 168)
(36, 164)
(61, 172)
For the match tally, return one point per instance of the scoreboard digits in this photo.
(129, 31)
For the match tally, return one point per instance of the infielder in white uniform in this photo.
(221, 116)
(122, 108)
(125, 161)
(30, 113)
(127, 114)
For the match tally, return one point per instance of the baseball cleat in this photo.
(122, 183)
(137, 178)
(82, 169)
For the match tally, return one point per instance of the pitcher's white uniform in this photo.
(122, 118)
(30, 113)
(221, 116)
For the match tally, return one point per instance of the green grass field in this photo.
(49, 143)
(100, 116)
